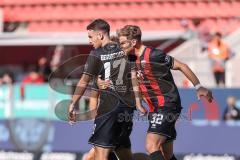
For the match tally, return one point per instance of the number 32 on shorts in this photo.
(157, 118)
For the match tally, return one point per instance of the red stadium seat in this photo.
(235, 8)
(180, 9)
(196, 10)
(150, 14)
(161, 10)
(119, 24)
(225, 6)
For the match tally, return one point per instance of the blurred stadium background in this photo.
(36, 36)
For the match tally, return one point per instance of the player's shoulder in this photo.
(159, 55)
(95, 52)
(156, 52)
(111, 47)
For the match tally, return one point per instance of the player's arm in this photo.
(184, 68)
(91, 69)
(79, 91)
(93, 104)
(136, 91)
(93, 100)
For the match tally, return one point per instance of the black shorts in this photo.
(163, 122)
(113, 129)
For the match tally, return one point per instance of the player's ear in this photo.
(134, 42)
(100, 36)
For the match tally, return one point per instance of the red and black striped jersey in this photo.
(157, 83)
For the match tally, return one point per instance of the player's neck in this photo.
(106, 41)
(139, 50)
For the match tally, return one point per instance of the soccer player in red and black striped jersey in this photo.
(160, 92)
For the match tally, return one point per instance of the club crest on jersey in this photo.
(167, 59)
(110, 47)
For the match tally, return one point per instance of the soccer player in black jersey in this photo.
(109, 61)
(159, 91)
(121, 153)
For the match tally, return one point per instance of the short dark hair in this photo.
(131, 32)
(99, 24)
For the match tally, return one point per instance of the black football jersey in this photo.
(112, 64)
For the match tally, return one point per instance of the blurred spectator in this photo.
(62, 54)
(188, 32)
(205, 37)
(57, 57)
(219, 53)
(6, 79)
(202, 33)
(44, 68)
(231, 112)
(32, 78)
(195, 29)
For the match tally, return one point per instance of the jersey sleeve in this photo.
(93, 65)
(165, 59)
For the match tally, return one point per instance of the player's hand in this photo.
(71, 114)
(205, 93)
(102, 84)
(142, 110)
(140, 76)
